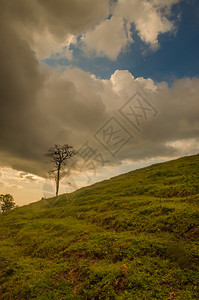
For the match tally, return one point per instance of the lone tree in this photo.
(58, 155)
(6, 202)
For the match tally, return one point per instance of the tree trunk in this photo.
(57, 181)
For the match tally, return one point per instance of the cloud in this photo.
(7, 185)
(50, 26)
(113, 35)
(22, 176)
(175, 124)
(108, 39)
(41, 106)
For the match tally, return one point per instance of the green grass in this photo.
(135, 236)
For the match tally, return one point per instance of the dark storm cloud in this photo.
(53, 21)
(61, 17)
(26, 130)
(20, 79)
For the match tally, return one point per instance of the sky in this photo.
(117, 80)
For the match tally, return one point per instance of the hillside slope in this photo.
(135, 236)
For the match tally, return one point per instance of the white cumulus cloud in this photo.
(111, 36)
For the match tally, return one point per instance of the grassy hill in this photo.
(135, 236)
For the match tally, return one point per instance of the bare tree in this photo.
(58, 155)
